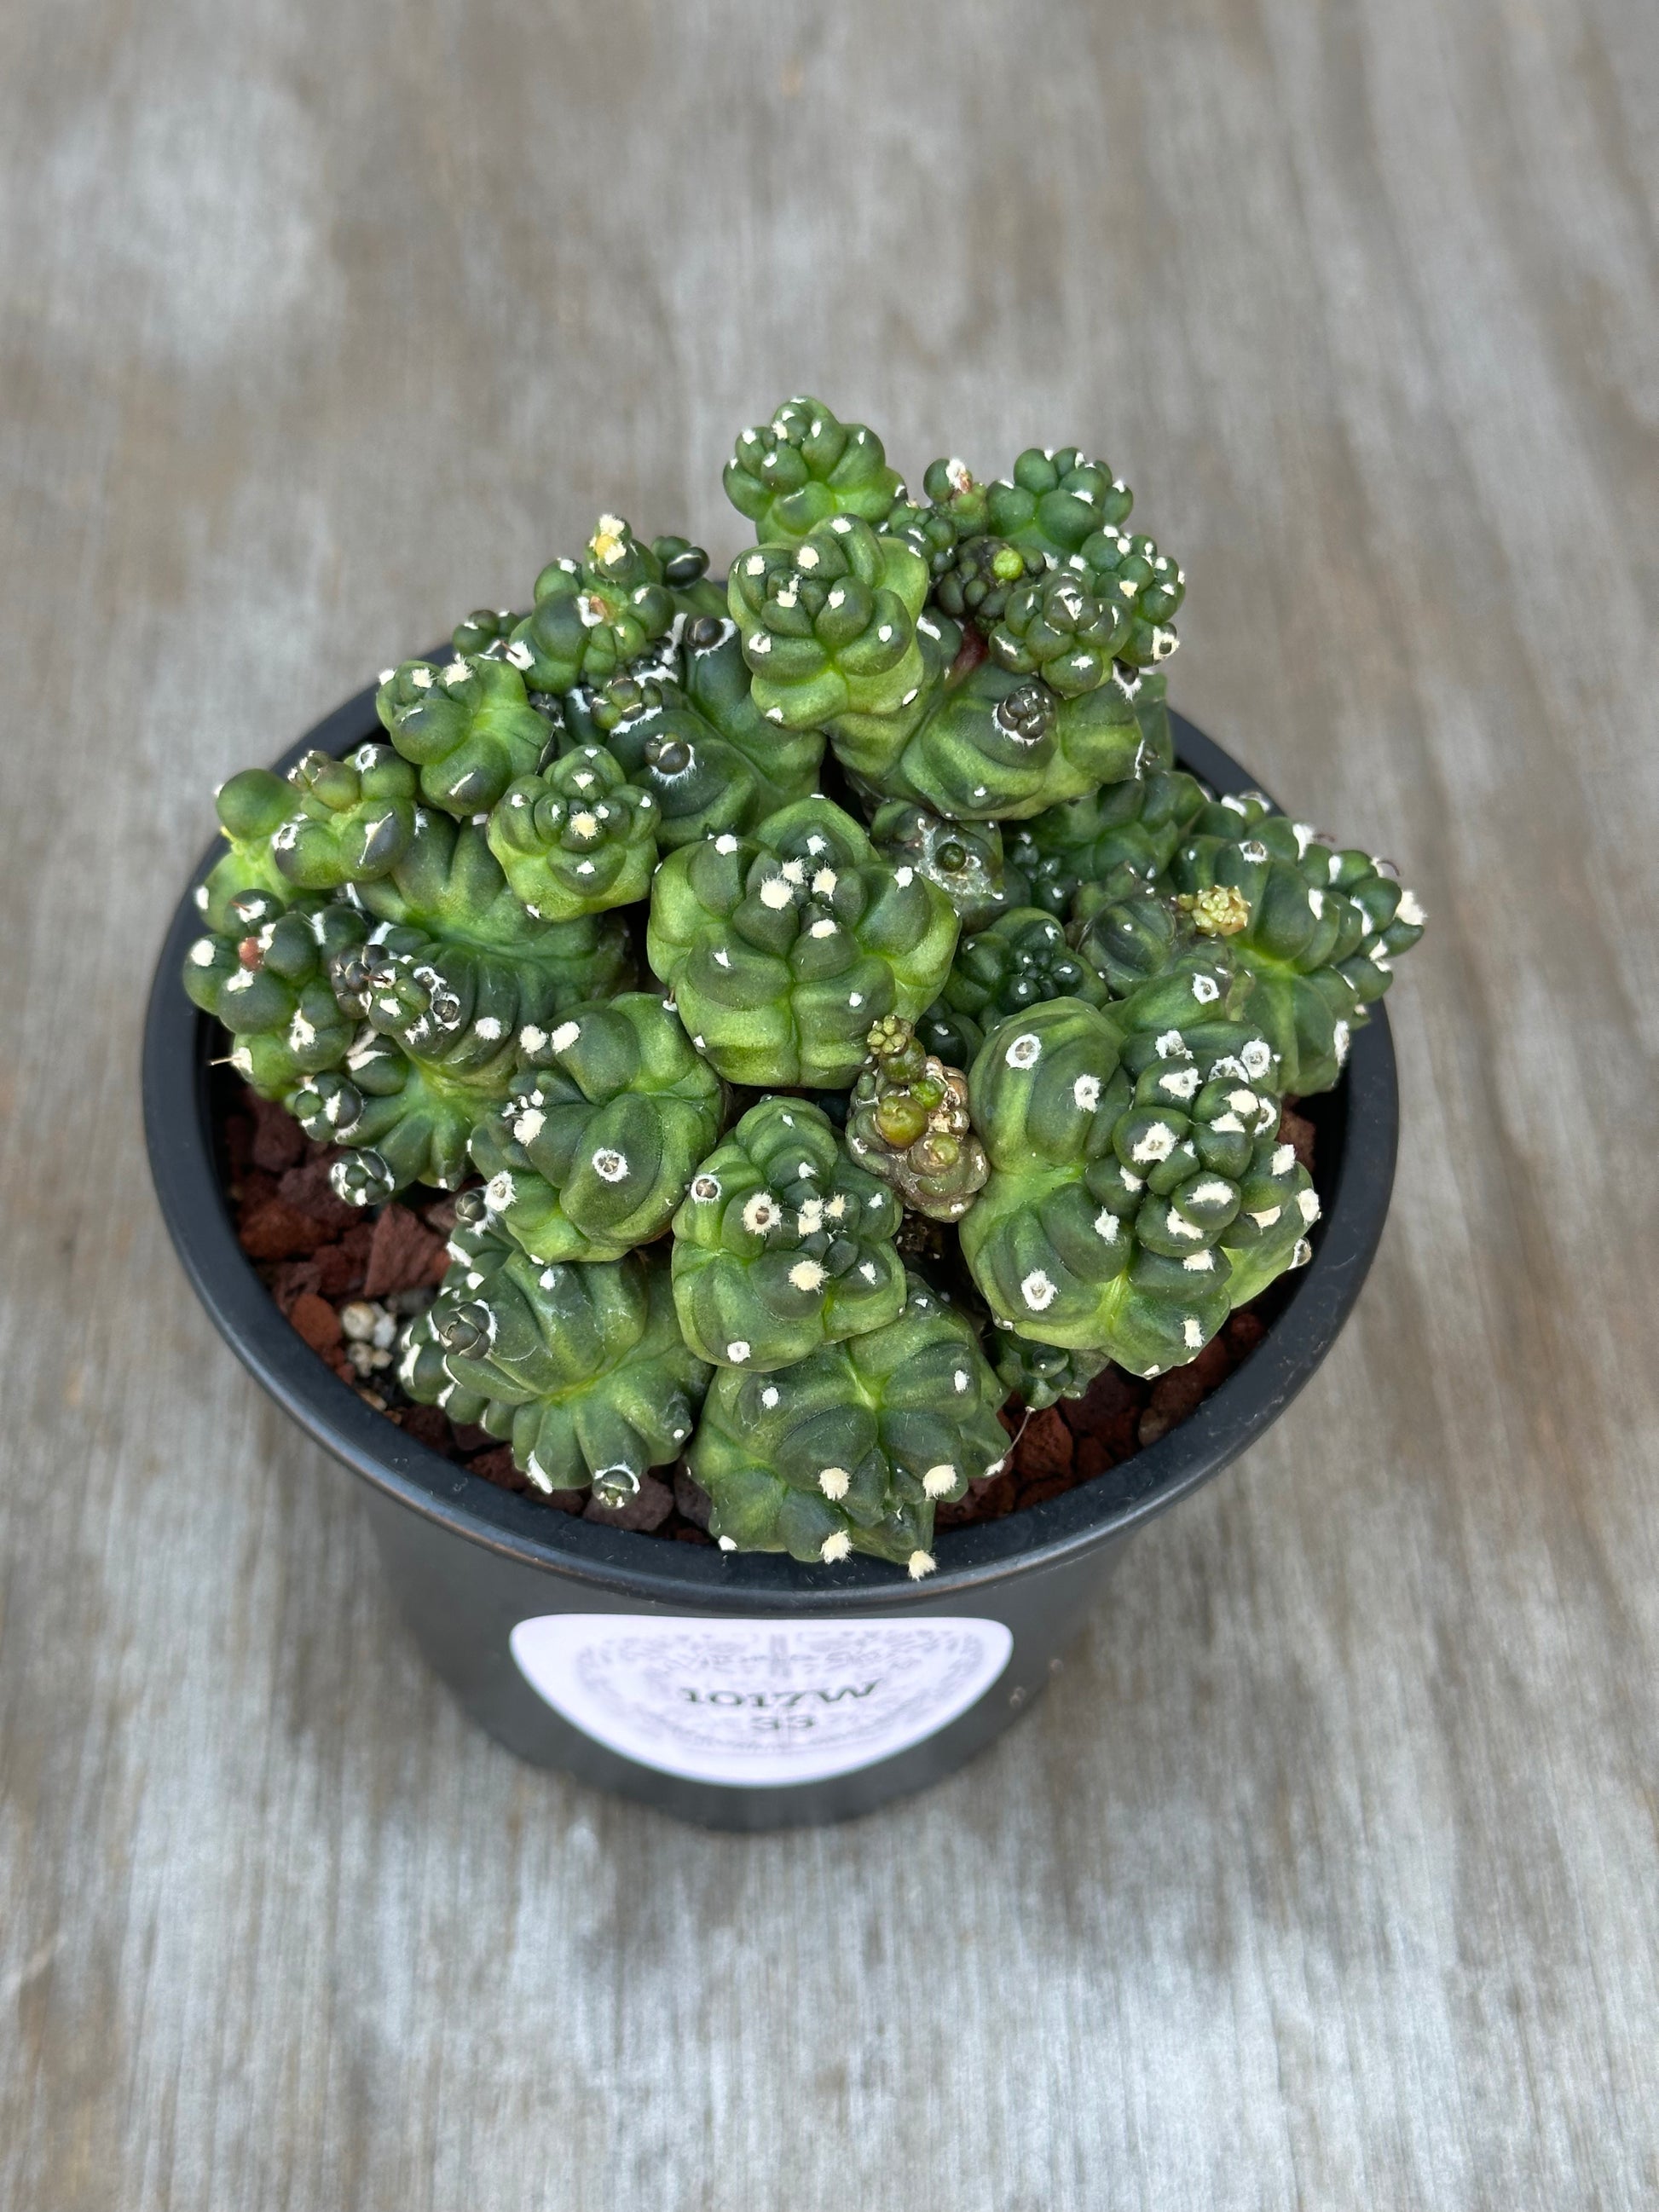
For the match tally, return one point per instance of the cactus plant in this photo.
(892, 818)
(782, 1244)
(582, 1369)
(851, 1448)
(908, 1123)
(782, 949)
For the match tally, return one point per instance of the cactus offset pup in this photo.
(796, 1132)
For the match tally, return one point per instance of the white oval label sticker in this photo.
(755, 1703)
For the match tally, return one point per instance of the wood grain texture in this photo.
(1325, 1875)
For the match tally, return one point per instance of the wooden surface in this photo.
(1325, 1875)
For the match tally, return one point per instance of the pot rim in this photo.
(621, 1564)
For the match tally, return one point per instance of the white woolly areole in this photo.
(1410, 910)
(834, 1481)
(705, 1188)
(1341, 1038)
(835, 1549)
(959, 1380)
(1284, 1159)
(1172, 1046)
(806, 1275)
(1158, 1142)
(920, 1563)
(776, 893)
(529, 1125)
(1038, 1291)
(938, 1479)
(761, 1212)
(1308, 1201)
(1257, 1056)
(738, 1350)
(1205, 990)
(725, 843)
(1199, 1263)
(498, 1192)
(610, 1166)
(487, 1028)
(1106, 1226)
(1191, 1333)
(825, 883)
(1267, 1218)
(770, 1397)
(1085, 1093)
(1212, 1193)
(1025, 1051)
(1180, 1083)
(201, 953)
(566, 1035)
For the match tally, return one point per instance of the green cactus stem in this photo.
(592, 616)
(829, 624)
(782, 1245)
(1131, 570)
(1136, 822)
(1058, 627)
(782, 948)
(1138, 1191)
(718, 685)
(581, 1369)
(803, 468)
(468, 728)
(998, 746)
(264, 976)
(403, 1122)
(1055, 499)
(908, 1123)
(592, 1150)
(983, 576)
(852, 1448)
(952, 517)
(964, 859)
(450, 886)
(1020, 960)
(1324, 928)
(577, 839)
(485, 633)
(354, 819)
(251, 806)
(1040, 1375)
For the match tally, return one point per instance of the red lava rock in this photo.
(691, 1499)
(470, 1438)
(1179, 1393)
(985, 1501)
(429, 1425)
(338, 1271)
(1111, 1394)
(441, 1217)
(278, 1231)
(686, 1535)
(341, 1366)
(1091, 1458)
(1045, 1449)
(316, 1320)
(1296, 1129)
(252, 1188)
(277, 1141)
(401, 1255)
(237, 1131)
(497, 1467)
(307, 1190)
(292, 1278)
(650, 1505)
(1243, 1332)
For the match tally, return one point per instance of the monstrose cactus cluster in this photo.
(837, 1010)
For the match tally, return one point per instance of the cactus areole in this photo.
(855, 1013)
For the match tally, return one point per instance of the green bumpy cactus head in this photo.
(1022, 959)
(591, 1152)
(1139, 1190)
(829, 624)
(908, 1123)
(354, 819)
(852, 1448)
(582, 1369)
(1056, 500)
(578, 839)
(265, 977)
(803, 468)
(964, 859)
(1136, 823)
(1318, 928)
(1040, 1375)
(782, 1245)
(782, 948)
(467, 727)
(593, 616)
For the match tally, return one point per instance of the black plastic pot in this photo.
(743, 1691)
